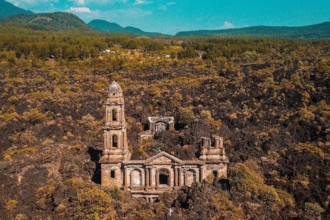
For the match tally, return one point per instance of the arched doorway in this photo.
(190, 177)
(136, 178)
(163, 177)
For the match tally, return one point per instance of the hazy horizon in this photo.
(169, 17)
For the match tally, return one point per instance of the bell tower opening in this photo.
(114, 140)
(215, 173)
(114, 115)
(113, 174)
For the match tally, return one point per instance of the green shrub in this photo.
(313, 210)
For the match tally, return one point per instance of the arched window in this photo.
(114, 115)
(114, 140)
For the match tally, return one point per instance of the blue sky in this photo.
(179, 15)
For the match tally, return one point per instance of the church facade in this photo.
(160, 173)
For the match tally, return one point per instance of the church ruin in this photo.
(157, 174)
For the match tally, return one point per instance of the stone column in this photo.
(157, 179)
(121, 112)
(147, 176)
(105, 175)
(185, 177)
(122, 180)
(153, 176)
(181, 177)
(143, 176)
(171, 180)
(175, 176)
(118, 176)
(225, 170)
(202, 174)
(197, 175)
(127, 177)
(105, 135)
(120, 140)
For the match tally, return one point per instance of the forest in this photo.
(268, 98)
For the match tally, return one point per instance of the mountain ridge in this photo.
(105, 26)
(8, 9)
(320, 30)
(13, 16)
(111, 27)
(54, 21)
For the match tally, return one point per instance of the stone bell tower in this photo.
(115, 138)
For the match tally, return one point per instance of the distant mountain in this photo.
(137, 31)
(312, 31)
(57, 21)
(8, 9)
(105, 26)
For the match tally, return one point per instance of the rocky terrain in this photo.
(269, 99)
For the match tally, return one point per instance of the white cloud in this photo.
(227, 25)
(79, 2)
(121, 16)
(26, 3)
(128, 13)
(79, 10)
(141, 2)
(166, 6)
(75, 3)
(104, 2)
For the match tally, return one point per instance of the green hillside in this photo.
(57, 21)
(110, 27)
(312, 31)
(8, 9)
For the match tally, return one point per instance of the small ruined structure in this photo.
(157, 124)
(157, 174)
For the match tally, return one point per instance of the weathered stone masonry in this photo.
(157, 174)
